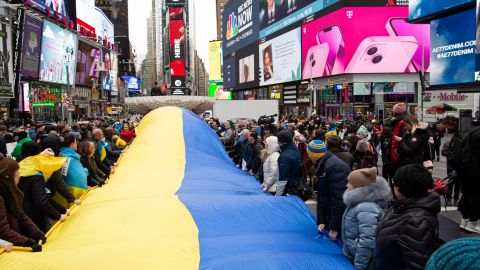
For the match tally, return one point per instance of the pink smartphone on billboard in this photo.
(380, 54)
(315, 61)
(421, 32)
(333, 37)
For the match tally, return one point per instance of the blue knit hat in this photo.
(460, 254)
(316, 149)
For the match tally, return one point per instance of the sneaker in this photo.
(473, 227)
(463, 224)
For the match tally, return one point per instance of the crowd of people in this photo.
(45, 169)
(386, 216)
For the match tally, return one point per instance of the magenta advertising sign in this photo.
(364, 40)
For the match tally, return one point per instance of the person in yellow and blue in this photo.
(74, 173)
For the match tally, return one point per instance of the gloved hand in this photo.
(43, 240)
(36, 248)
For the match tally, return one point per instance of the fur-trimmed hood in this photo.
(377, 192)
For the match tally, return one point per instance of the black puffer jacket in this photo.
(408, 234)
(413, 147)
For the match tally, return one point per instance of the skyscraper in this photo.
(117, 12)
(220, 6)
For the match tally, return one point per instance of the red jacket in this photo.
(128, 135)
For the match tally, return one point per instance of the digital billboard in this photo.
(6, 65)
(58, 9)
(422, 9)
(87, 59)
(175, 2)
(215, 56)
(58, 55)
(229, 73)
(364, 40)
(85, 14)
(275, 15)
(240, 25)
(104, 28)
(218, 92)
(280, 58)
(177, 52)
(110, 77)
(133, 83)
(32, 41)
(453, 49)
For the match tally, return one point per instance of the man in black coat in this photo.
(408, 233)
(335, 147)
(289, 164)
(254, 148)
(332, 174)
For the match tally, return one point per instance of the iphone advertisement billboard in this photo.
(364, 40)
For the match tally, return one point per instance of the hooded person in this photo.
(364, 156)
(398, 130)
(35, 171)
(75, 175)
(332, 175)
(408, 233)
(366, 198)
(15, 226)
(22, 138)
(299, 140)
(459, 254)
(270, 165)
(289, 164)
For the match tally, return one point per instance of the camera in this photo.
(266, 119)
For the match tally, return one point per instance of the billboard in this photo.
(58, 55)
(240, 25)
(364, 40)
(453, 49)
(6, 64)
(104, 28)
(275, 15)
(58, 9)
(109, 81)
(215, 56)
(87, 59)
(280, 58)
(133, 83)
(177, 51)
(175, 3)
(32, 41)
(229, 73)
(423, 9)
(218, 92)
(85, 14)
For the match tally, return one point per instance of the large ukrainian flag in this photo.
(176, 201)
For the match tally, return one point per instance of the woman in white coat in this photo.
(270, 166)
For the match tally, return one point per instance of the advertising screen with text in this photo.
(364, 40)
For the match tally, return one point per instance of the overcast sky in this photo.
(206, 25)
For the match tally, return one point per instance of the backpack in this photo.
(459, 154)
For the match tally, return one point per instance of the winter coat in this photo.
(412, 149)
(95, 175)
(253, 156)
(364, 160)
(74, 173)
(398, 129)
(18, 230)
(346, 157)
(365, 206)
(3, 146)
(408, 234)
(270, 168)
(37, 203)
(290, 171)
(332, 176)
(128, 136)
